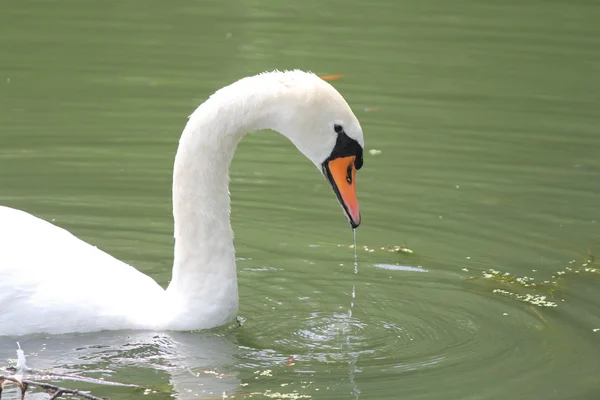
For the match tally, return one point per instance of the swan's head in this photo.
(317, 119)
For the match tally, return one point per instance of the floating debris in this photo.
(509, 278)
(400, 249)
(277, 395)
(534, 299)
(332, 77)
(390, 249)
(548, 286)
(266, 372)
(21, 365)
(216, 374)
(290, 361)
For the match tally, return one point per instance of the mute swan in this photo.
(52, 282)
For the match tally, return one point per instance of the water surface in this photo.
(486, 115)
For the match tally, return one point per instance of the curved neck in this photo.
(204, 282)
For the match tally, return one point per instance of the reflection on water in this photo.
(194, 364)
(400, 267)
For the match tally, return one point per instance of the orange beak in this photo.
(341, 174)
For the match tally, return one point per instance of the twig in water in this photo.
(56, 391)
(48, 375)
(15, 375)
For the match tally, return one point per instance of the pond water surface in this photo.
(484, 117)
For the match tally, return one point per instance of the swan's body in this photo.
(52, 282)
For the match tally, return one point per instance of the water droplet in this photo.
(355, 254)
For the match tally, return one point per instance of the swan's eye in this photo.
(349, 174)
(338, 128)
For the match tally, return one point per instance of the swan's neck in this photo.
(203, 290)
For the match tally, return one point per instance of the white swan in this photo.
(52, 282)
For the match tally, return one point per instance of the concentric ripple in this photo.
(436, 326)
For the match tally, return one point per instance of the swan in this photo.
(52, 282)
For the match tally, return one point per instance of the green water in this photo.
(487, 117)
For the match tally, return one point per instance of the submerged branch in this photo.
(14, 376)
(55, 391)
